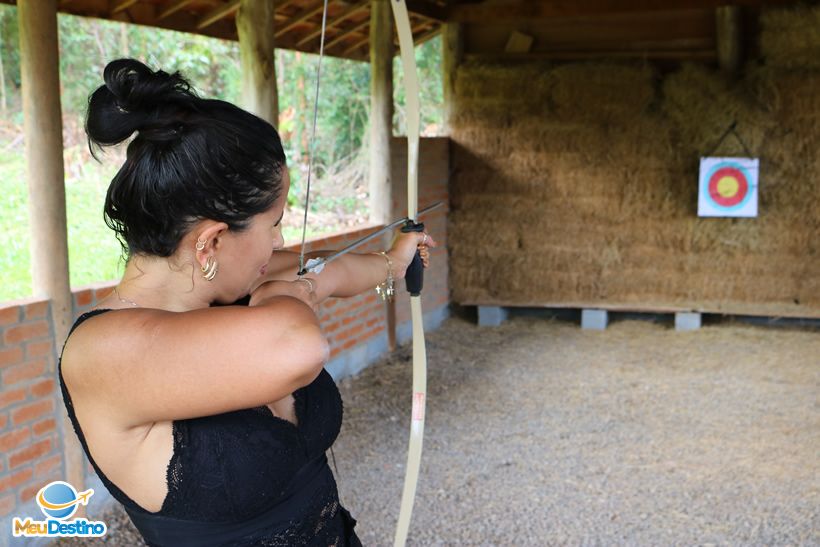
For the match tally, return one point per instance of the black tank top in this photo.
(246, 477)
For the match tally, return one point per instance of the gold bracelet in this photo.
(386, 289)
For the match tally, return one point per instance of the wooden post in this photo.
(452, 44)
(255, 27)
(43, 132)
(381, 109)
(729, 38)
(381, 130)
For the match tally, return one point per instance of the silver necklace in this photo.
(125, 300)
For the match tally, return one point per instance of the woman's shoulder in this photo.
(157, 365)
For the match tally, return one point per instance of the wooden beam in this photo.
(122, 5)
(331, 23)
(254, 22)
(729, 36)
(452, 53)
(43, 139)
(173, 7)
(218, 13)
(431, 33)
(427, 9)
(304, 16)
(495, 10)
(344, 35)
(381, 110)
(702, 55)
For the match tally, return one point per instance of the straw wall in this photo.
(576, 184)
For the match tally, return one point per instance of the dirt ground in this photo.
(540, 433)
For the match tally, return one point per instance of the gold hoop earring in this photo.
(200, 245)
(210, 268)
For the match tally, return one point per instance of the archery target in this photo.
(728, 187)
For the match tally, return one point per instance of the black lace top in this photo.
(246, 477)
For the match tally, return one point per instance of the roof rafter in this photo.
(307, 14)
(218, 13)
(172, 8)
(350, 10)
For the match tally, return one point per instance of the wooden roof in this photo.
(555, 29)
(298, 22)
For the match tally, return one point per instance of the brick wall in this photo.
(31, 406)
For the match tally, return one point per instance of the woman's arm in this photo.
(348, 275)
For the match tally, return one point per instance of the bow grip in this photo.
(414, 277)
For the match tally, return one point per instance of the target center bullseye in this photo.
(728, 186)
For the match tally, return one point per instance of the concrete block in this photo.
(491, 316)
(594, 319)
(687, 321)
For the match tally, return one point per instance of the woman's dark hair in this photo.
(191, 159)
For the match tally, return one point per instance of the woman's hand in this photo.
(404, 249)
(302, 289)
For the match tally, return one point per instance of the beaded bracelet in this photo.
(386, 289)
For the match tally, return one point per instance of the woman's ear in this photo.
(209, 239)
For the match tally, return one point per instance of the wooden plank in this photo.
(334, 21)
(304, 16)
(700, 55)
(495, 10)
(645, 31)
(428, 10)
(730, 308)
(122, 5)
(729, 32)
(347, 33)
(173, 7)
(217, 14)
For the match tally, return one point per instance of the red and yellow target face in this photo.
(728, 186)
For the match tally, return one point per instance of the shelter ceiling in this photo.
(298, 22)
(555, 29)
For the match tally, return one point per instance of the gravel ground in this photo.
(539, 433)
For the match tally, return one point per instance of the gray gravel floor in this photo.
(539, 433)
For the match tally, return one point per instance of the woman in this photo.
(209, 424)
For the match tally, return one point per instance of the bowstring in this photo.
(313, 137)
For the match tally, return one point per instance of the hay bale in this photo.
(601, 93)
(790, 37)
(701, 104)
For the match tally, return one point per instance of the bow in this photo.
(415, 273)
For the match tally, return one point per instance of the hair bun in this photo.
(138, 88)
(133, 97)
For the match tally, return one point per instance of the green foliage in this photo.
(213, 67)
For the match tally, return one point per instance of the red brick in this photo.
(39, 349)
(9, 315)
(29, 331)
(42, 388)
(13, 480)
(28, 493)
(4, 421)
(25, 371)
(44, 426)
(36, 310)
(84, 298)
(348, 320)
(331, 327)
(349, 344)
(11, 356)
(49, 464)
(30, 453)
(13, 439)
(12, 396)
(32, 411)
(102, 293)
(7, 505)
